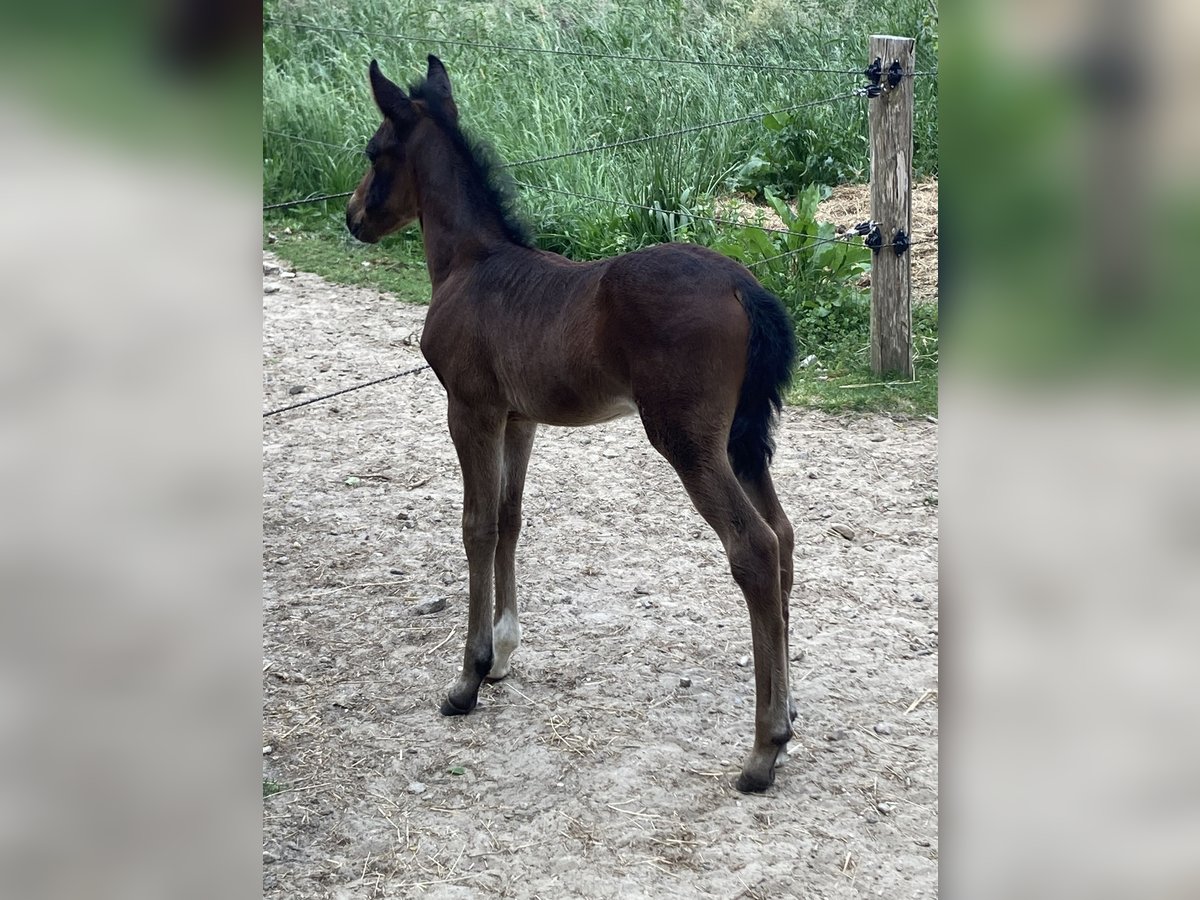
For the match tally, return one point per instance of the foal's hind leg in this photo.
(761, 491)
(753, 551)
(506, 631)
(478, 437)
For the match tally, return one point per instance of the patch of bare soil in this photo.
(850, 204)
(592, 771)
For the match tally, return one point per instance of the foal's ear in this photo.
(389, 98)
(438, 81)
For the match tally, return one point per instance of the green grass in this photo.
(840, 378)
(846, 384)
(395, 266)
(272, 787)
(529, 105)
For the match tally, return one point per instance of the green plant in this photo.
(797, 152)
(808, 266)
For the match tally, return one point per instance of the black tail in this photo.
(769, 360)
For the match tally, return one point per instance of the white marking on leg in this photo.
(506, 636)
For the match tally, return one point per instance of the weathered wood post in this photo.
(891, 121)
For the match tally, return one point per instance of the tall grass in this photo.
(531, 104)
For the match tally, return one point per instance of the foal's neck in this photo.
(459, 224)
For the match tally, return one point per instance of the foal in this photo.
(677, 334)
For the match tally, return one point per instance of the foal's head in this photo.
(386, 198)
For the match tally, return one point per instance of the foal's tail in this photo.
(769, 359)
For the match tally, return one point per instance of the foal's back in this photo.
(566, 343)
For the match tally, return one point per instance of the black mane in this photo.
(485, 173)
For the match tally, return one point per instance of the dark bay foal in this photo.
(677, 334)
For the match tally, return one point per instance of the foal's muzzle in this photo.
(355, 227)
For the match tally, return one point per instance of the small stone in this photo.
(798, 656)
(808, 360)
(425, 607)
(416, 788)
(287, 231)
(647, 603)
(918, 598)
(812, 475)
(843, 530)
(287, 274)
(270, 857)
(324, 367)
(684, 681)
(268, 750)
(871, 817)
(878, 437)
(395, 571)
(272, 237)
(611, 454)
(886, 808)
(744, 661)
(270, 268)
(641, 589)
(403, 517)
(836, 735)
(447, 578)
(270, 288)
(297, 389)
(884, 727)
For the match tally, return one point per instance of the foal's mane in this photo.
(486, 180)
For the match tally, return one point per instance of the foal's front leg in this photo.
(478, 436)
(506, 636)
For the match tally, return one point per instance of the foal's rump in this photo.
(708, 347)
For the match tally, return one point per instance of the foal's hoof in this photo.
(450, 708)
(497, 672)
(749, 783)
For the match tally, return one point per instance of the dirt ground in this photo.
(593, 771)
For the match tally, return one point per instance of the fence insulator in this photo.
(869, 90)
(874, 239)
(863, 228)
(895, 73)
(900, 242)
(874, 71)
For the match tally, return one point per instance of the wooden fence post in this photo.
(891, 120)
